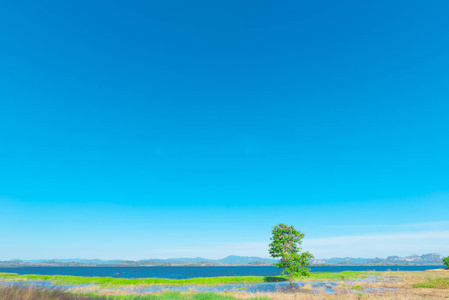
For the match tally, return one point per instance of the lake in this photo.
(192, 272)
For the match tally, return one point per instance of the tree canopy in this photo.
(286, 245)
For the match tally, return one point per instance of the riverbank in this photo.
(349, 285)
(110, 281)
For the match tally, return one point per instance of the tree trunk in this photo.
(291, 280)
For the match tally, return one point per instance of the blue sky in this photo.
(139, 129)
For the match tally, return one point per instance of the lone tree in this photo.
(446, 261)
(286, 242)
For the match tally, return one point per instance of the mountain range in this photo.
(425, 259)
(232, 260)
(229, 260)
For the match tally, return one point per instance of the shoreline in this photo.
(344, 285)
(149, 281)
(200, 266)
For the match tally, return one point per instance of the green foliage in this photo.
(440, 283)
(446, 261)
(286, 245)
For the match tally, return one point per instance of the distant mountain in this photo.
(179, 260)
(76, 260)
(243, 260)
(230, 260)
(342, 260)
(425, 259)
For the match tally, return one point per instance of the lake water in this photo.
(192, 272)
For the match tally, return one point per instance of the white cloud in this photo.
(370, 246)
(380, 245)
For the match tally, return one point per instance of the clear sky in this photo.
(156, 129)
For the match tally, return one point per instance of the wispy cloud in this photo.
(358, 238)
(372, 245)
(424, 225)
(369, 245)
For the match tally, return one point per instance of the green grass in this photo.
(345, 275)
(109, 281)
(440, 283)
(4, 275)
(352, 287)
(176, 296)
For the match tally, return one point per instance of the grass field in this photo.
(407, 286)
(109, 281)
(439, 283)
